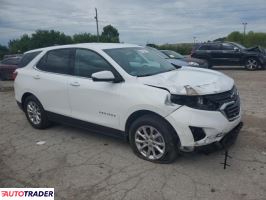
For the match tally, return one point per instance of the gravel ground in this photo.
(82, 165)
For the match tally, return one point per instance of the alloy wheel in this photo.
(251, 64)
(150, 142)
(34, 112)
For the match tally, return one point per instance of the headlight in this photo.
(193, 63)
(197, 102)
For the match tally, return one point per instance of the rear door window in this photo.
(56, 61)
(27, 58)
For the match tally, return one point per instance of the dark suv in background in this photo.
(230, 53)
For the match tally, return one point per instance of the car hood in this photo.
(255, 49)
(203, 81)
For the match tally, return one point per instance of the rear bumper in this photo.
(7, 73)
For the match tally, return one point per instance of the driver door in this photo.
(95, 102)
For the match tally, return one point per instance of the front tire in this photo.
(151, 138)
(252, 64)
(35, 113)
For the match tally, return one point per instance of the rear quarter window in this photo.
(203, 47)
(27, 58)
(56, 61)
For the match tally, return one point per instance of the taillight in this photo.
(14, 75)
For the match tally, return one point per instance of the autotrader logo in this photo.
(26, 193)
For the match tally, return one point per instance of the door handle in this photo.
(75, 84)
(36, 76)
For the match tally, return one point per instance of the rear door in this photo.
(50, 80)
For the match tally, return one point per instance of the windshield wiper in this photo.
(143, 75)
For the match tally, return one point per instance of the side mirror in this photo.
(103, 76)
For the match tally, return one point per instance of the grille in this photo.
(224, 97)
(227, 102)
(232, 110)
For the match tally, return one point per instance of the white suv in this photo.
(128, 91)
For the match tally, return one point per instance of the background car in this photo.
(194, 62)
(175, 62)
(12, 55)
(8, 66)
(230, 53)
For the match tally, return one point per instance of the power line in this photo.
(245, 25)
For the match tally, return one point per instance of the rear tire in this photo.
(35, 113)
(252, 64)
(152, 139)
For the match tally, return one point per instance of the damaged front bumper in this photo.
(228, 140)
(196, 128)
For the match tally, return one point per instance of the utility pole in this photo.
(96, 18)
(245, 25)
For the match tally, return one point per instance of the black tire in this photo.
(170, 139)
(44, 122)
(252, 64)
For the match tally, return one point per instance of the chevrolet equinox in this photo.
(129, 91)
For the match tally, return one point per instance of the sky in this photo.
(138, 21)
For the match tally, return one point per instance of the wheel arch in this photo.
(24, 96)
(137, 114)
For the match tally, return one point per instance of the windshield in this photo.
(172, 54)
(138, 61)
(159, 53)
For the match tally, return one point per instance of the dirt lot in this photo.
(82, 165)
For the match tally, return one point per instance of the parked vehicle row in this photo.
(204, 55)
(131, 92)
(179, 60)
(230, 53)
(193, 62)
(7, 66)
